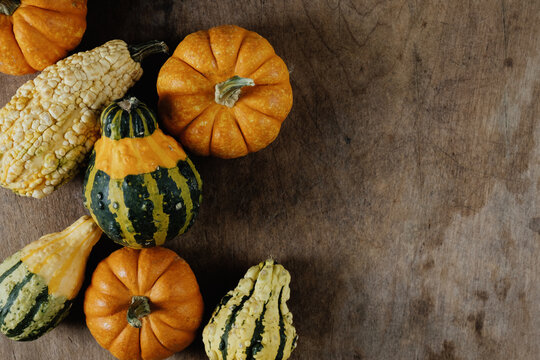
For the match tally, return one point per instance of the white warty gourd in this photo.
(51, 123)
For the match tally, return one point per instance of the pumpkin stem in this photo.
(139, 308)
(140, 51)
(228, 92)
(8, 7)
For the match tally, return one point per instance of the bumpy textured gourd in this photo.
(39, 282)
(37, 33)
(50, 124)
(140, 186)
(143, 304)
(253, 321)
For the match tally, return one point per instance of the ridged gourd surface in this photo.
(171, 290)
(35, 34)
(50, 125)
(187, 92)
(38, 283)
(253, 321)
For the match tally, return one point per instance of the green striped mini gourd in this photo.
(140, 186)
(253, 321)
(39, 282)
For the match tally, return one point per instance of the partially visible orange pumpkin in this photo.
(224, 92)
(143, 304)
(37, 33)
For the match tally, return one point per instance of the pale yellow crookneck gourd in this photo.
(39, 282)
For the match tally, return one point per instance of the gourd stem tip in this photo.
(140, 51)
(139, 308)
(228, 92)
(129, 103)
(8, 7)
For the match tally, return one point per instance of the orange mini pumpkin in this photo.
(37, 33)
(143, 304)
(224, 92)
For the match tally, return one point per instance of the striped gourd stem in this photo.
(8, 7)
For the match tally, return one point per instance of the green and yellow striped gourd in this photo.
(140, 186)
(39, 282)
(253, 321)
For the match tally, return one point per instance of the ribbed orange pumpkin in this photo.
(224, 92)
(37, 33)
(143, 304)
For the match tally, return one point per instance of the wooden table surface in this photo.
(402, 192)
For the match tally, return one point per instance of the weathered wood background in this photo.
(402, 193)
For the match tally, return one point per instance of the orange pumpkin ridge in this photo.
(37, 33)
(224, 92)
(143, 304)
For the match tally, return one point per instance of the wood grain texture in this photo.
(402, 192)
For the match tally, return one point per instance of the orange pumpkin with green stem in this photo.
(37, 33)
(143, 304)
(224, 92)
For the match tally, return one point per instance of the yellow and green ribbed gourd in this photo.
(252, 322)
(140, 186)
(39, 282)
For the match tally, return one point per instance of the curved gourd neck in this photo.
(139, 308)
(68, 249)
(228, 92)
(8, 7)
(127, 118)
